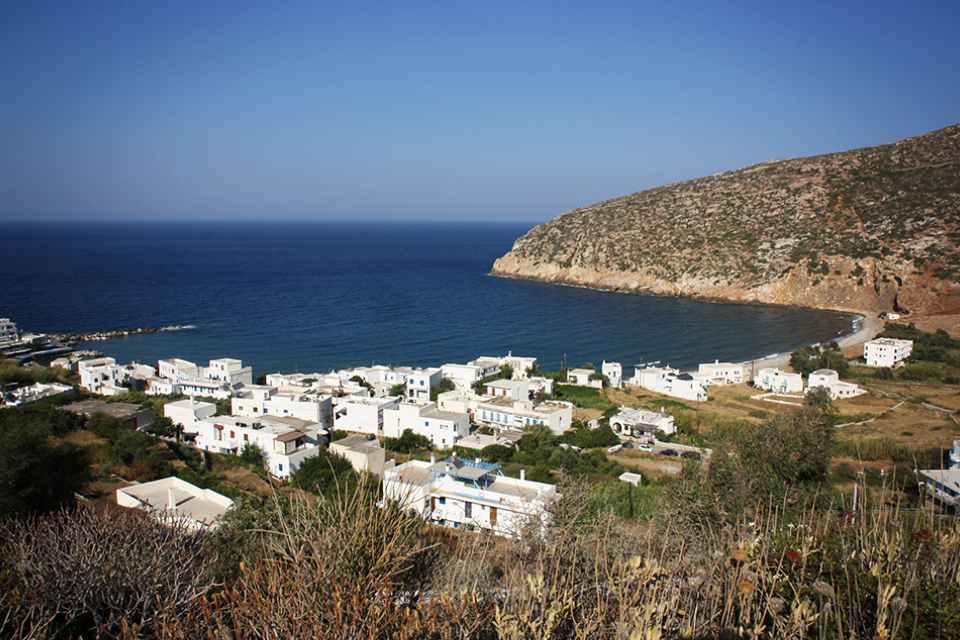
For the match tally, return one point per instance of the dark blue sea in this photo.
(316, 296)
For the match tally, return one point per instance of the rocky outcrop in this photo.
(867, 230)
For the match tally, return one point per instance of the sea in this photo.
(319, 296)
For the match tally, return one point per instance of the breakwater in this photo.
(86, 336)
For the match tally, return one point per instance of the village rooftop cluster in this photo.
(290, 416)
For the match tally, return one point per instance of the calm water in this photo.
(315, 296)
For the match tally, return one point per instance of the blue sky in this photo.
(441, 110)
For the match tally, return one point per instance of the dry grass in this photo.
(343, 568)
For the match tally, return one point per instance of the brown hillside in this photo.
(868, 230)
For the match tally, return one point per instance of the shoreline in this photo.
(867, 327)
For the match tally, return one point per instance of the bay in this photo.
(317, 296)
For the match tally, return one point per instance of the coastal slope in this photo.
(866, 230)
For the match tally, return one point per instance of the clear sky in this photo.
(441, 110)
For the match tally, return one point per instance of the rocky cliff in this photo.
(866, 230)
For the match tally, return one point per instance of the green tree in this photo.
(163, 426)
(445, 385)
(324, 473)
(252, 454)
(407, 442)
(506, 372)
(38, 473)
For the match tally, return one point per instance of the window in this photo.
(246, 437)
(468, 509)
(443, 501)
(254, 409)
(232, 435)
(279, 467)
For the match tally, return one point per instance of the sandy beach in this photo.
(868, 327)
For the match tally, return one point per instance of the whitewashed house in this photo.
(670, 382)
(35, 393)
(105, 377)
(955, 455)
(886, 352)
(521, 366)
(469, 494)
(229, 370)
(506, 413)
(420, 382)
(187, 413)
(581, 378)
(442, 428)
(463, 376)
(830, 379)
(720, 373)
(177, 369)
(8, 331)
(943, 485)
(362, 414)
(259, 400)
(364, 453)
(173, 499)
(513, 389)
(774, 380)
(641, 423)
(614, 373)
(286, 442)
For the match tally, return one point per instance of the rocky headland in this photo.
(867, 230)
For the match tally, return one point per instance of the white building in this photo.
(177, 369)
(522, 367)
(364, 453)
(670, 382)
(506, 413)
(720, 373)
(943, 485)
(420, 382)
(886, 352)
(641, 423)
(955, 455)
(8, 331)
(187, 413)
(175, 499)
(286, 442)
(471, 494)
(464, 376)
(771, 379)
(206, 388)
(831, 380)
(513, 389)
(259, 400)
(35, 393)
(228, 371)
(614, 373)
(362, 414)
(442, 428)
(581, 378)
(105, 377)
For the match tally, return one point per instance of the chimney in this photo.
(523, 474)
(171, 501)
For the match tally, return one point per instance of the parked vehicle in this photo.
(669, 452)
(692, 455)
(645, 447)
(615, 448)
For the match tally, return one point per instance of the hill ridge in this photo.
(866, 230)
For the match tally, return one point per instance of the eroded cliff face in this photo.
(868, 230)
